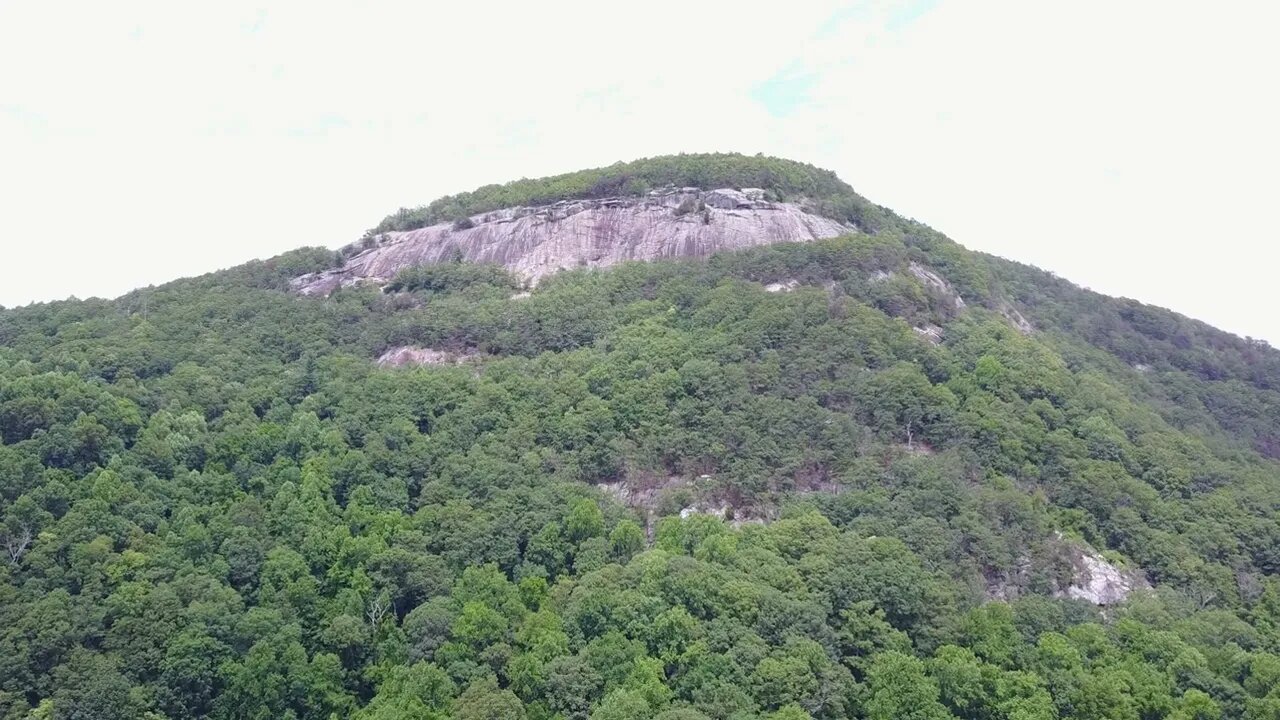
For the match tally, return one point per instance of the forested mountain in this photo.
(876, 476)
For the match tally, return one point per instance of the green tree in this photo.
(625, 540)
(420, 691)
(89, 687)
(483, 700)
(899, 689)
(584, 521)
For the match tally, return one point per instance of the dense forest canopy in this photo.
(656, 491)
(820, 189)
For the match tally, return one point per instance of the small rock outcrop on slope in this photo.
(410, 355)
(1098, 581)
(534, 242)
(937, 283)
(1089, 576)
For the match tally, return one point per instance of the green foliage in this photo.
(213, 504)
(786, 179)
(484, 700)
(899, 689)
(451, 277)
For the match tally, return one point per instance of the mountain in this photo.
(872, 475)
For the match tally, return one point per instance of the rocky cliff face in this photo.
(536, 241)
(1085, 574)
(1098, 581)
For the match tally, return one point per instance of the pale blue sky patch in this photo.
(786, 91)
(21, 116)
(323, 125)
(792, 87)
(893, 16)
(904, 13)
(833, 23)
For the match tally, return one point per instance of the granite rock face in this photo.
(1102, 583)
(408, 355)
(1085, 575)
(1096, 579)
(534, 242)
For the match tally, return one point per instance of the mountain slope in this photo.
(865, 476)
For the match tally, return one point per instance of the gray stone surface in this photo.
(534, 242)
(410, 355)
(1097, 580)
(937, 282)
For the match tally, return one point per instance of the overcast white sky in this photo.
(1128, 146)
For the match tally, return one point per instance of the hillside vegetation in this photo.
(214, 504)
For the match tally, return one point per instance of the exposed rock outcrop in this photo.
(1081, 573)
(719, 511)
(784, 286)
(929, 332)
(936, 282)
(1094, 578)
(409, 355)
(1016, 319)
(728, 199)
(536, 241)
(642, 496)
(1099, 581)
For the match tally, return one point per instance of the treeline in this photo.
(783, 179)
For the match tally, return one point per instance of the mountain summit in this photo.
(681, 206)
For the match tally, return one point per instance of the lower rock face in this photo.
(1082, 573)
(534, 242)
(1100, 582)
(409, 355)
(1094, 578)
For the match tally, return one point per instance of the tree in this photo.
(623, 705)
(903, 401)
(899, 689)
(483, 700)
(91, 688)
(571, 686)
(1196, 705)
(420, 691)
(584, 521)
(625, 540)
(790, 712)
(189, 673)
